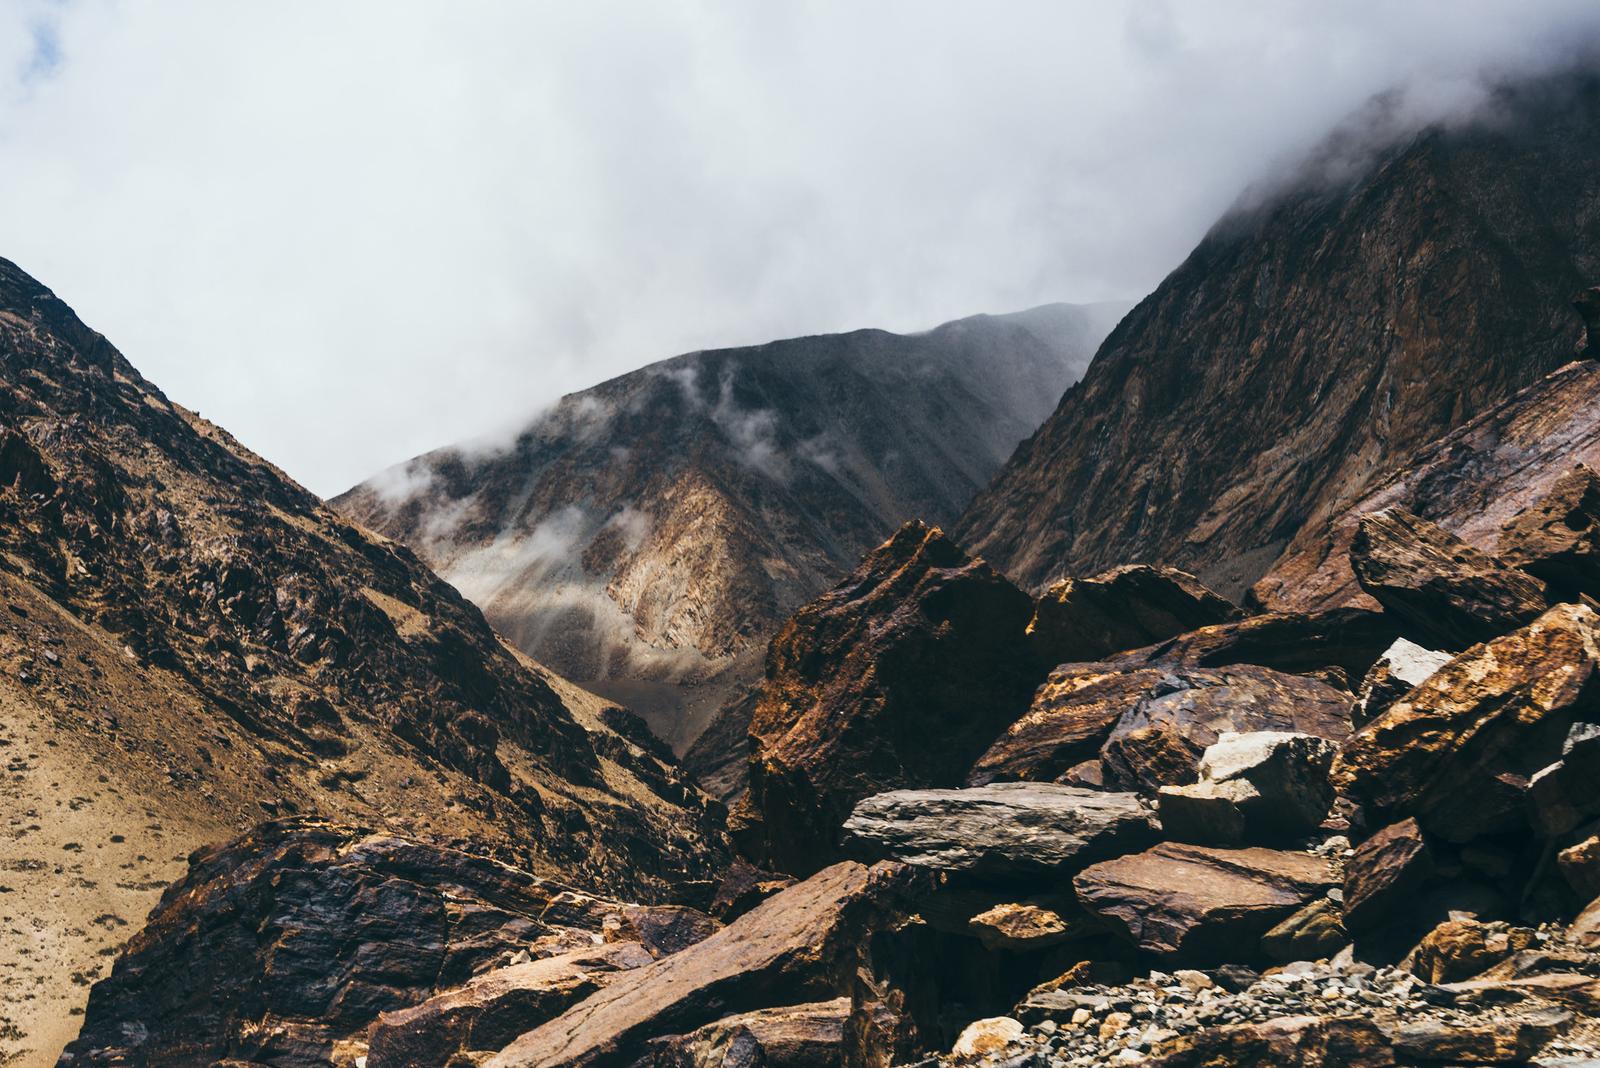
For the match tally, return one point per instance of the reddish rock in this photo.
(744, 886)
(1504, 1041)
(1079, 620)
(1443, 590)
(1199, 904)
(806, 943)
(898, 677)
(1382, 880)
(1557, 538)
(1458, 750)
(816, 1035)
(492, 1009)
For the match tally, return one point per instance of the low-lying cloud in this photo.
(354, 232)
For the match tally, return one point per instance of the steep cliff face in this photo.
(647, 536)
(191, 642)
(1314, 339)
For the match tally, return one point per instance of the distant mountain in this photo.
(190, 643)
(1320, 333)
(648, 535)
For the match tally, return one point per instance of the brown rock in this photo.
(898, 677)
(1024, 926)
(1456, 752)
(661, 929)
(1441, 588)
(744, 886)
(1149, 725)
(1503, 1041)
(1080, 620)
(1557, 538)
(1290, 1042)
(1562, 795)
(1315, 932)
(1580, 866)
(1385, 875)
(806, 943)
(1585, 927)
(1460, 949)
(1200, 904)
(1344, 639)
(492, 1009)
(794, 1036)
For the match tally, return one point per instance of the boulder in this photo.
(1486, 1041)
(1258, 786)
(1315, 932)
(1580, 866)
(1288, 1042)
(1197, 904)
(1557, 538)
(1403, 665)
(793, 1036)
(806, 943)
(1298, 643)
(1172, 714)
(1456, 752)
(1442, 589)
(898, 677)
(1085, 619)
(1025, 926)
(1003, 830)
(493, 1008)
(1460, 949)
(661, 929)
(991, 1035)
(1385, 875)
(1562, 795)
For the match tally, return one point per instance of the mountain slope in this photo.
(647, 535)
(1310, 342)
(190, 641)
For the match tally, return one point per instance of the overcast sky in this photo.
(350, 232)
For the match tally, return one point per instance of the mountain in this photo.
(1320, 333)
(191, 643)
(647, 536)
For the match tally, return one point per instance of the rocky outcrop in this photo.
(1457, 752)
(1012, 830)
(1471, 482)
(804, 944)
(1149, 725)
(898, 677)
(1196, 904)
(1079, 620)
(292, 939)
(1302, 352)
(1443, 590)
(647, 536)
(1558, 538)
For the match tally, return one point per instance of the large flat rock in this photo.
(1004, 829)
(1200, 904)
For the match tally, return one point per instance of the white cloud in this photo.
(351, 232)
